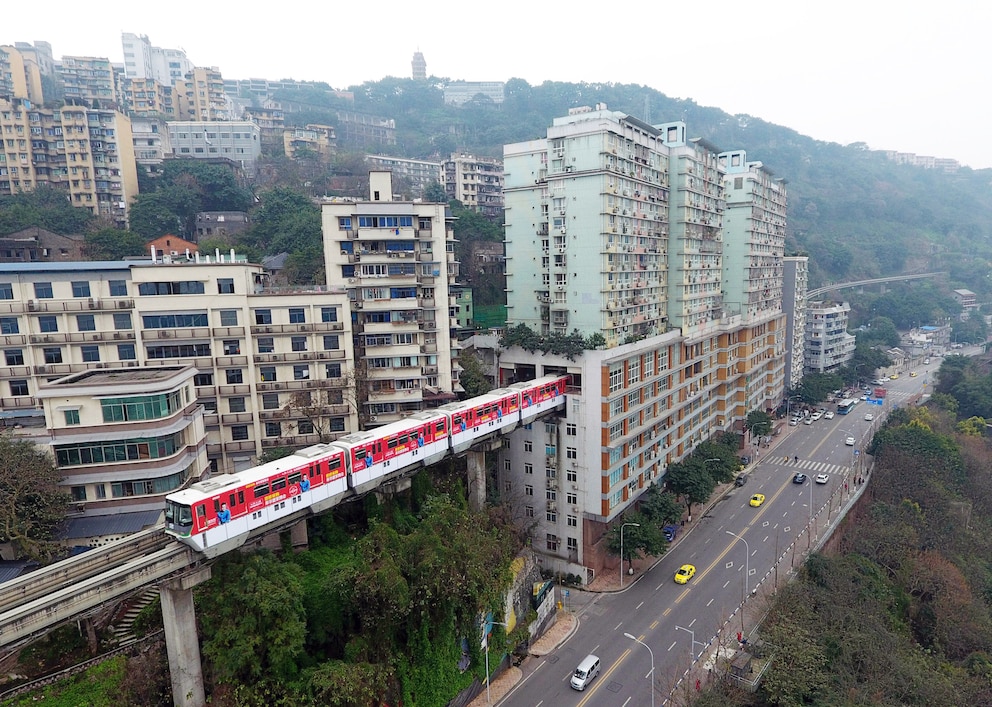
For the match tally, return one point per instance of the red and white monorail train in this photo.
(220, 513)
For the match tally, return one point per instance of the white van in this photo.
(584, 674)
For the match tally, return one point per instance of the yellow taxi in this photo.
(685, 573)
(893, 376)
(912, 374)
(757, 499)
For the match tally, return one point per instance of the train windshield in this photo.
(178, 514)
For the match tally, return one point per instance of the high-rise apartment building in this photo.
(828, 343)
(411, 177)
(90, 81)
(89, 152)
(670, 250)
(794, 304)
(150, 97)
(396, 259)
(235, 140)
(477, 182)
(20, 75)
(316, 142)
(142, 60)
(202, 97)
(273, 365)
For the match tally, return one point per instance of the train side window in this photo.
(201, 510)
(216, 505)
(230, 501)
(404, 439)
(261, 490)
(439, 427)
(278, 484)
(294, 478)
(391, 443)
(359, 454)
(241, 497)
(334, 464)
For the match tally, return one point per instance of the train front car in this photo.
(483, 416)
(540, 395)
(394, 449)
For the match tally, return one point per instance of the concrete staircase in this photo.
(122, 628)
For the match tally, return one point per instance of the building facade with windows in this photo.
(202, 97)
(828, 345)
(477, 182)
(143, 60)
(122, 439)
(89, 80)
(669, 249)
(396, 260)
(234, 140)
(796, 270)
(273, 364)
(415, 175)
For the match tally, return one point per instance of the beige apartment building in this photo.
(89, 80)
(20, 74)
(396, 261)
(273, 365)
(122, 439)
(202, 97)
(89, 152)
(317, 142)
(671, 250)
(477, 182)
(149, 97)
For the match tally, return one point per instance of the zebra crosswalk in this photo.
(809, 465)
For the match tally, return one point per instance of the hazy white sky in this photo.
(906, 76)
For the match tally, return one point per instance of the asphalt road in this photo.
(683, 622)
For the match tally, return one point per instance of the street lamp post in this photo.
(622, 526)
(692, 644)
(651, 652)
(489, 698)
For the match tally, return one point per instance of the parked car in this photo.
(808, 421)
(793, 422)
(740, 480)
(670, 531)
(799, 479)
(828, 415)
(822, 478)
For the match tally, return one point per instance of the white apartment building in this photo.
(671, 250)
(142, 60)
(235, 140)
(122, 439)
(415, 175)
(273, 365)
(396, 260)
(794, 303)
(828, 343)
(477, 182)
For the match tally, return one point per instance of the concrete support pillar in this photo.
(476, 480)
(181, 639)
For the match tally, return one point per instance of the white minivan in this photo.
(584, 674)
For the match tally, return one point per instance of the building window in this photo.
(232, 347)
(634, 371)
(273, 429)
(528, 490)
(46, 324)
(571, 453)
(573, 545)
(301, 372)
(299, 343)
(552, 542)
(571, 499)
(71, 417)
(234, 375)
(528, 446)
(328, 314)
(263, 316)
(570, 429)
(81, 289)
(573, 522)
(239, 432)
(126, 352)
(551, 516)
(236, 404)
(332, 370)
(616, 377)
(648, 366)
(529, 511)
(270, 401)
(228, 317)
(85, 322)
(528, 468)
(91, 354)
(331, 342)
(43, 290)
(53, 354)
(8, 325)
(305, 427)
(267, 373)
(570, 475)
(6, 290)
(78, 493)
(122, 321)
(266, 344)
(18, 388)
(225, 286)
(297, 315)
(344, 223)
(118, 288)
(14, 357)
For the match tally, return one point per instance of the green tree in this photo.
(113, 244)
(691, 480)
(434, 192)
(46, 207)
(32, 506)
(473, 377)
(641, 537)
(256, 626)
(660, 507)
(759, 423)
